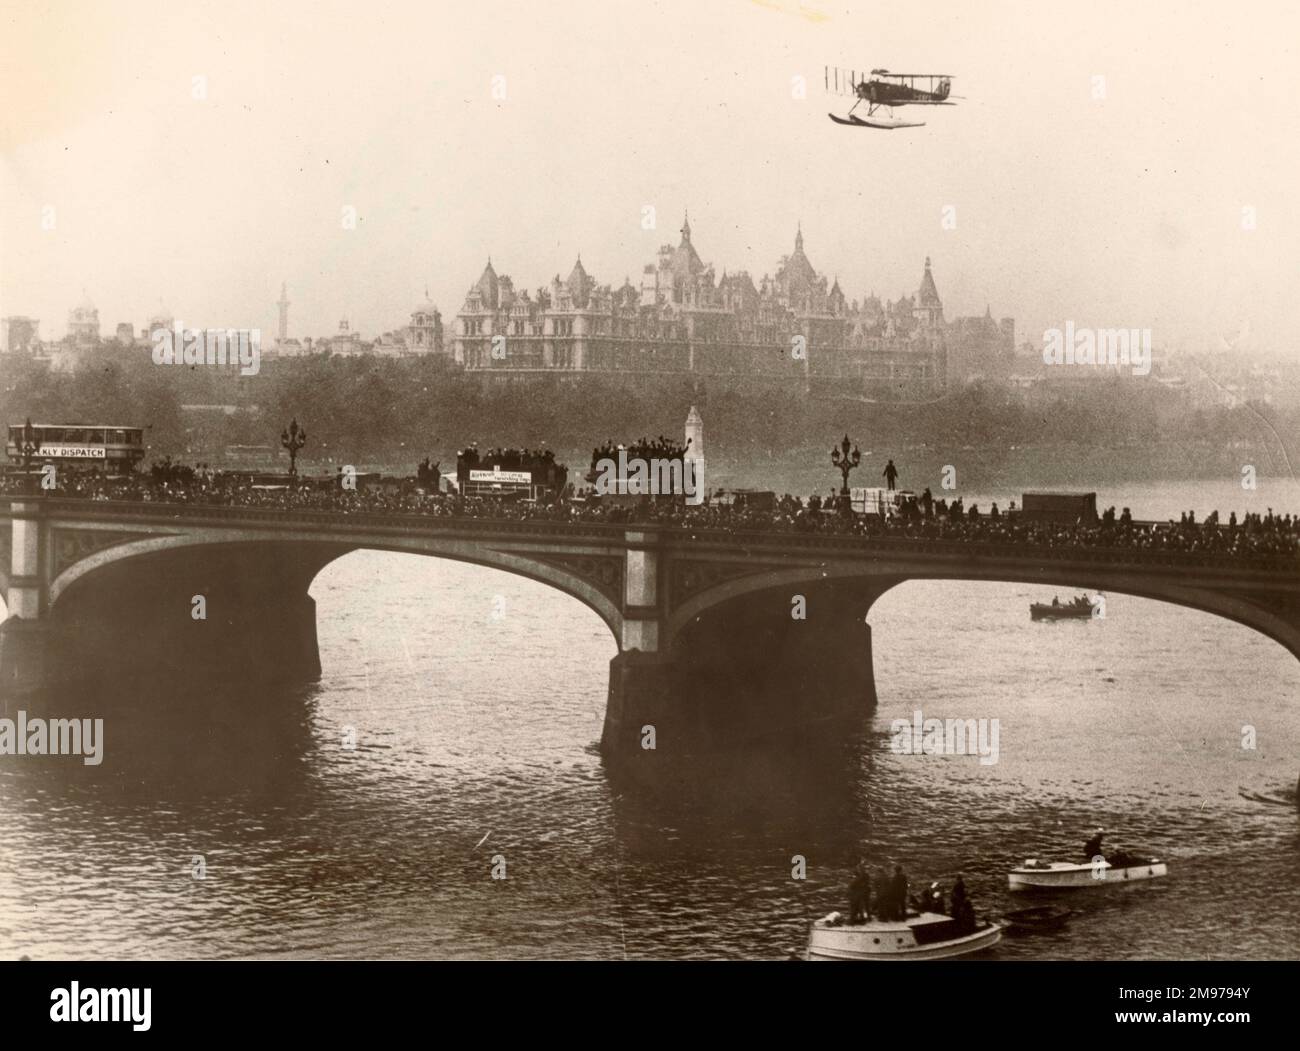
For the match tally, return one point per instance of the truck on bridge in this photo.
(887, 503)
(1066, 508)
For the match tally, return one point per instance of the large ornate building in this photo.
(685, 319)
(83, 322)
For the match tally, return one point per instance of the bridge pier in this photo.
(24, 658)
(230, 613)
(749, 676)
(641, 703)
(24, 636)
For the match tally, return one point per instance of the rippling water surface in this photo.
(476, 699)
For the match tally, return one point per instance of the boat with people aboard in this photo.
(1078, 608)
(895, 925)
(920, 936)
(1065, 875)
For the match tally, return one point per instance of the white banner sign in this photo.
(74, 452)
(498, 475)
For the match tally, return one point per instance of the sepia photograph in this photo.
(733, 481)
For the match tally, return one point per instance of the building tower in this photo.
(929, 307)
(83, 321)
(283, 304)
(425, 329)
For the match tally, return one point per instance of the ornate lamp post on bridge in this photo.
(845, 460)
(293, 439)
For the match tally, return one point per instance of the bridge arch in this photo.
(124, 605)
(321, 551)
(1275, 616)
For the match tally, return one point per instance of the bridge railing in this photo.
(968, 549)
(729, 539)
(291, 516)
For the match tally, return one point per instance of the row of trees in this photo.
(374, 410)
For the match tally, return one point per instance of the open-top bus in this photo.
(99, 447)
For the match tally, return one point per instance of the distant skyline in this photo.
(1124, 210)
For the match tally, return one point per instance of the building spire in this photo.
(928, 296)
(798, 236)
(686, 226)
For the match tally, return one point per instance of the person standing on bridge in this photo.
(890, 474)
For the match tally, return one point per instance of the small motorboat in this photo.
(922, 936)
(1066, 875)
(1037, 919)
(1079, 608)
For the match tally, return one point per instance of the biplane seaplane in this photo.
(882, 88)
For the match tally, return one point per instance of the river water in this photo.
(476, 700)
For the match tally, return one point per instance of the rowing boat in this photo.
(1037, 918)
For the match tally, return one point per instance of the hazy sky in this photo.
(1124, 211)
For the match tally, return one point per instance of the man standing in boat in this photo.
(960, 907)
(898, 893)
(860, 895)
(1092, 848)
(958, 896)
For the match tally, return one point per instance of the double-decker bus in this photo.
(99, 447)
(510, 473)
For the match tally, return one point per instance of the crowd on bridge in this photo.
(508, 459)
(647, 449)
(1252, 536)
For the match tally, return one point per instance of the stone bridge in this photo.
(100, 589)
